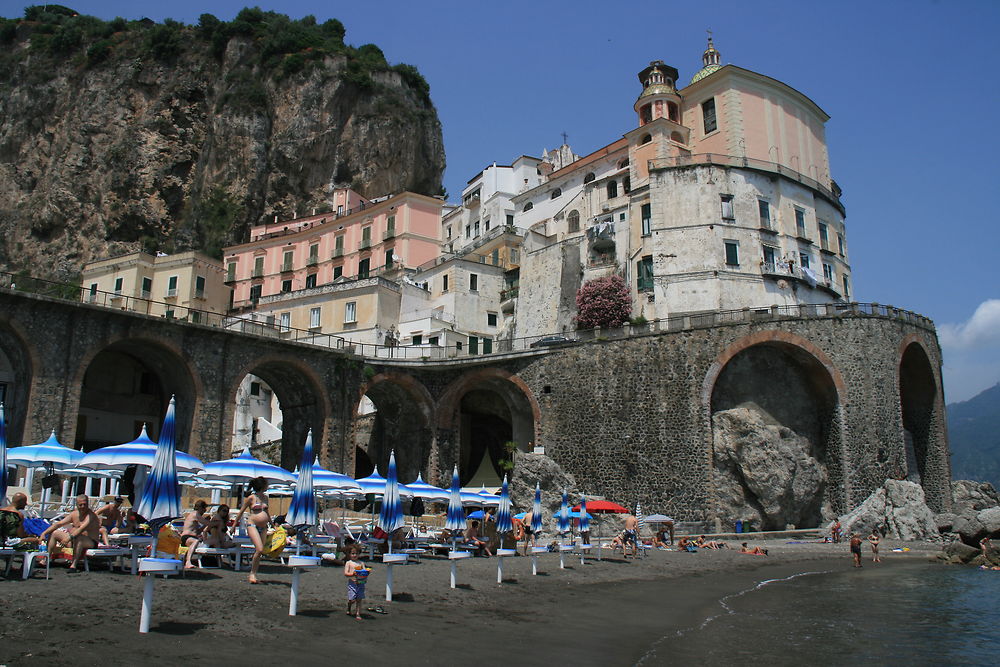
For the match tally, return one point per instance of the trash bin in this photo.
(739, 525)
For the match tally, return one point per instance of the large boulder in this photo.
(982, 524)
(530, 469)
(958, 552)
(970, 497)
(764, 472)
(897, 509)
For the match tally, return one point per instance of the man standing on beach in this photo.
(631, 535)
(856, 549)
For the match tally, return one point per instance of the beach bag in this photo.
(275, 542)
(168, 543)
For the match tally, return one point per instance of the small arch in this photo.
(623, 163)
(589, 177)
(646, 138)
(556, 193)
(528, 207)
(574, 220)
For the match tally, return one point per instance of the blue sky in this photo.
(911, 87)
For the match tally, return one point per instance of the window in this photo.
(764, 210)
(727, 208)
(418, 339)
(475, 228)
(255, 291)
(147, 287)
(366, 236)
(621, 216)
(556, 193)
(827, 273)
(491, 319)
(338, 271)
(338, 246)
(199, 287)
(486, 225)
(473, 282)
(364, 267)
(340, 209)
(169, 314)
(286, 321)
(255, 388)
(487, 345)
(458, 346)
(314, 314)
(314, 253)
(388, 257)
(258, 267)
(732, 253)
(574, 220)
(646, 138)
(311, 280)
(444, 283)
(433, 340)
(468, 231)
(287, 264)
(513, 256)
(627, 184)
(510, 219)
(473, 345)
(708, 115)
(350, 312)
(195, 317)
(647, 221)
(495, 257)
(804, 260)
(231, 272)
(286, 285)
(528, 206)
(824, 236)
(589, 177)
(800, 223)
(449, 231)
(612, 189)
(847, 289)
(482, 259)
(172, 286)
(390, 226)
(644, 281)
(770, 254)
(118, 286)
(840, 243)
(93, 291)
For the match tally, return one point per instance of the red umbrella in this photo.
(606, 506)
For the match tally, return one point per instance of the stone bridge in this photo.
(631, 418)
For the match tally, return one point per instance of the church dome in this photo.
(710, 60)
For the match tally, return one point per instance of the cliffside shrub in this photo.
(603, 302)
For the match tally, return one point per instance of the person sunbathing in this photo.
(191, 533)
(82, 534)
(216, 532)
(472, 538)
(684, 544)
(702, 543)
(111, 518)
(12, 521)
(660, 539)
(756, 551)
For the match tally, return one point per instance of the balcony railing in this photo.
(509, 293)
(312, 261)
(389, 234)
(338, 252)
(365, 243)
(171, 293)
(287, 267)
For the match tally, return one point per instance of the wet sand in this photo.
(609, 612)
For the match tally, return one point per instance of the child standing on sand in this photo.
(356, 574)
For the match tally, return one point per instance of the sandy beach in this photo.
(609, 612)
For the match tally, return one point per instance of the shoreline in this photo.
(609, 612)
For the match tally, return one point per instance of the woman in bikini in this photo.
(256, 505)
(216, 531)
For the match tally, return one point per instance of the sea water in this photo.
(913, 614)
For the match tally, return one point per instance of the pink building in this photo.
(361, 238)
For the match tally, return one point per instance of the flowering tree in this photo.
(604, 302)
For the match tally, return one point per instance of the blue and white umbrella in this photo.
(161, 499)
(302, 512)
(504, 522)
(584, 517)
(488, 499)
(3, 456)
(564, 514)
(455, 519)
(391, 516)
(139, 452)
(244, 468)
(329, 480)
(50, 454)
(536, 511)
(428, 492)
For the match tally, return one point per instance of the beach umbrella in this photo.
(470, 498)
(641, 523)
(604, 507)
(3, 458)
(139, 452)
(302, 512)
(425, 491)
(329, 480)
(51, 455)
(244, 468)
(390, 519)
(658, 518)
(584, 527)
(160, 504)
(536, 526)
(488, 499)
(564, 514)
(455, 519)
(504, 526)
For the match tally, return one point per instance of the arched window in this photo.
(556, 193)
(672, 112)
(646, 114)
(646, 138)
(589, 177)
(623, 163)
(612, 189)
(574, 220)
(528, 206)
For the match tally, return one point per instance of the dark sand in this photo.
(609, 612)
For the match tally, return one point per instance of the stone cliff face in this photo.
(135, 151)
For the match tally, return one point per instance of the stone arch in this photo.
(773, 408)
(128, 381)
(403, 421)
(18, 360)
(477, 414)
(304, 404)
(922, 414)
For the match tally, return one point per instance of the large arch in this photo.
(477, 414)
(127, 383)
(772, 403)
(402, 421)
(17, 364)
(304, 405)
(922, 413)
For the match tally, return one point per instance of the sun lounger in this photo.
(110, 553)
(234, 554)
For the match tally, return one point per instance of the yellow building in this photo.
(188, 285)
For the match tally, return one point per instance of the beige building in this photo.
(187, 285)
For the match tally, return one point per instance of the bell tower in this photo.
(659, 98)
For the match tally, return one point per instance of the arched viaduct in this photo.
(630, 418)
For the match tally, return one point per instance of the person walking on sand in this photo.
(856, 549)
(356, 574)
(529, 534)
(260, 520)
(835, 530)
(631, 534)
(873, 540)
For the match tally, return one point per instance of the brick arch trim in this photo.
(762, 337)
(411, 385)
(447, 405)
(904, 344)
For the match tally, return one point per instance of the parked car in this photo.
(550, 340)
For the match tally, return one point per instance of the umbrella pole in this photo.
(293, 601)
(499, 569)
(388, 583)
(147, 604)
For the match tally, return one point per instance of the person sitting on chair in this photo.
(83, 533)
(216, 533)
(191, 533)
(111, 518)
(12, 522)
(473, 538)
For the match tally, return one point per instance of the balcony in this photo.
(472, 201)
(257, 273)
(338, 252)
(365, 244)
(312, 261)
(389, 234)
(171, 293)
(287, 267)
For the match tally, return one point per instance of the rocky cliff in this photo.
(121, 135)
